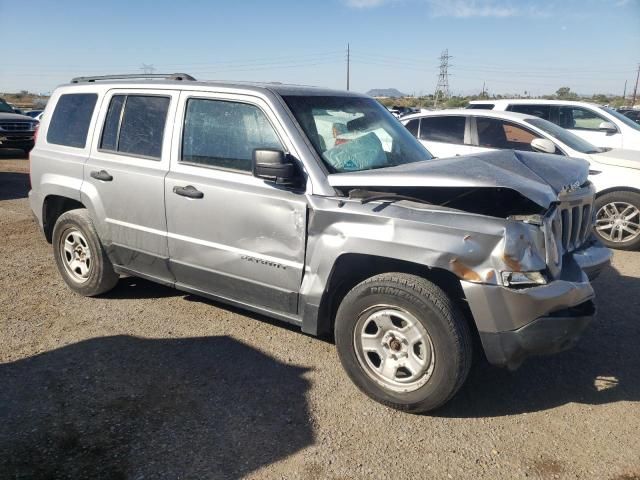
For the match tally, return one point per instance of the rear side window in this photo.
(70, 120)
(412, 126)
(579, 118)
(224, 134)
(443, 129)
(542, 111)
(495, 133)
(135, 125)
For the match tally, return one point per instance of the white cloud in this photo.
(473, 8)
(365, 3)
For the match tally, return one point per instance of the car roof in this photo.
(533, 101)
(472, 113)
(261, 87)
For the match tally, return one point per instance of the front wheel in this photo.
(403, 342)
(618, 220)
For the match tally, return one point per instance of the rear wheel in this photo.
(79, 255)
(403, 342)
(618, 220)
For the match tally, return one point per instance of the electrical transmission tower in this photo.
(443, 78)
(147, 69)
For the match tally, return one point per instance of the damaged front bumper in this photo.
(516, 323)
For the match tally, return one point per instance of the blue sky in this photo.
(514, 46)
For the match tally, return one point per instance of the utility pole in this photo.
(443, 77)
(624, 93)
(482, 94)
(635, 90)
(348, 61)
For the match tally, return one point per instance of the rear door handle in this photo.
(101, 175)
(188, 191)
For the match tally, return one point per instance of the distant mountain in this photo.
(385, 92)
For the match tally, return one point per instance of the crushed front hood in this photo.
(618, 157)
(537, 176)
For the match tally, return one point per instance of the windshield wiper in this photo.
(366, 196)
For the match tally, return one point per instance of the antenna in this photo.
(348, 61)
(443, 77)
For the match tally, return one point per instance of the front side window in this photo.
(135, 125)
(579, 118)
(69, 124)
(542, 111)
(443, 129)
(354, 133)
(224, 134)
(496, 133)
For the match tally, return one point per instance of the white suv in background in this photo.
(602, 126)
(614, 172)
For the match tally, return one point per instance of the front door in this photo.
(231, 234)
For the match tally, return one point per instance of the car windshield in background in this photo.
(5, 108)
(355, 133)
(624, 119)
(564, 136)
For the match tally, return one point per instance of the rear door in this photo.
(445, 135)
(231, 234)
(124, 178)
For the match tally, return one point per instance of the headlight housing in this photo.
(523, 279)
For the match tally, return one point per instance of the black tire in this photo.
(631, 198)
(446, 326)
(101, 277)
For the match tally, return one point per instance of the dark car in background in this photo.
(16, 131)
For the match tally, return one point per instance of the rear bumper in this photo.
(516, 323)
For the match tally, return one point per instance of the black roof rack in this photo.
(164, 76)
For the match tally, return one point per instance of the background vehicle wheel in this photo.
(403, 342)
(79, 255)
(618, 220)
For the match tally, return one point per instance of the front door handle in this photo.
(188, 191)
(101, 175)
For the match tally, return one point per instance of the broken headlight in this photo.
(523, 279)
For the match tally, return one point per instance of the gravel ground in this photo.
(147, 382)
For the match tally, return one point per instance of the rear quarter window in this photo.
(70, 121)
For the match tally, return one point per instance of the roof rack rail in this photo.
(164, 76)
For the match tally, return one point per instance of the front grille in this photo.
(16, 126)
(568, 225)
(576, 225)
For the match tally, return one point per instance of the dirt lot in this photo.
(147, 382)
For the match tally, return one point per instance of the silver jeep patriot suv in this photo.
(318, 208)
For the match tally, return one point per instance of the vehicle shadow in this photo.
(138, 288)
(125, 407)
(603, 367)
(13, 185)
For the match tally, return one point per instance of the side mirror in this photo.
(607, 127)
(543, 145)
(273, 166)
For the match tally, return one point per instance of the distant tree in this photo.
(565, 93)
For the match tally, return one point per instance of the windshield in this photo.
(564, 136)
(355, 133)
(624, 119)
